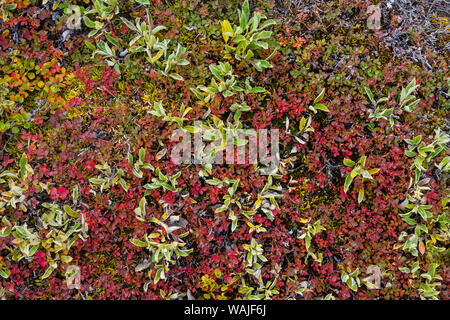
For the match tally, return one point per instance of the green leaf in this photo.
(4, 273)
(176, 76)
(49, 271)
(128, 24)
(66, 259)
(244, 15)
(366, 174)
(410, 154)
(88, 22)
(6, 231)
(157, 276)
(71, 212)
(307, 241)
(410, 107)
(370, 95)
(257, 90)
(158, 29)
(234, 224)
(75, 194)
(215, 70)
(265, 64)
(353, 285)
(263, 35)
(321, 106)
(347, 183)
(221, 208)
(139, 243)
(141, 154)
(90, 45)
(123, 184)
(96, 180)
(360, 195)
(348, 162)
(113, 41)
(362, 161)
(404, 270)
(23, 163)
(319, 97)
(213, 182)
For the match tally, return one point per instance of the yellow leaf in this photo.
(226, 27)
(158, 55)
(258, 202)
(302, 124)
(433, 240)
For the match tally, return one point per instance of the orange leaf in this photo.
(421, 247)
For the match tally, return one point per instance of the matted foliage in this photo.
(93, 207)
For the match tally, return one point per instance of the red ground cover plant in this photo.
(87, 180)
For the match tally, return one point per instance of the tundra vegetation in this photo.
(93, 207)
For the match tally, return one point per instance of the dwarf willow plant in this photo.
(307, 234)
(230, 198)
(360, 171)
(254, 257)
(164, 251)
(248, 37)
(159, 112)
(425, 153)
(423, 245)
(223, 81)
(157, 51)
(109, 53)
(238, 108)
(219, 134)
(407, 102)
(5, 9)
(139, 164)
(430, 228)
(108, 178)
(232, 187)
(304, 126)
(163, 181)
(429, 288)
(63, 227)
(160, 180)
(265, 202)
(316, 105)
(102, 12)
(265, 291)
(266, 199)
(351, 279)
(17, 185)
(4, 273)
